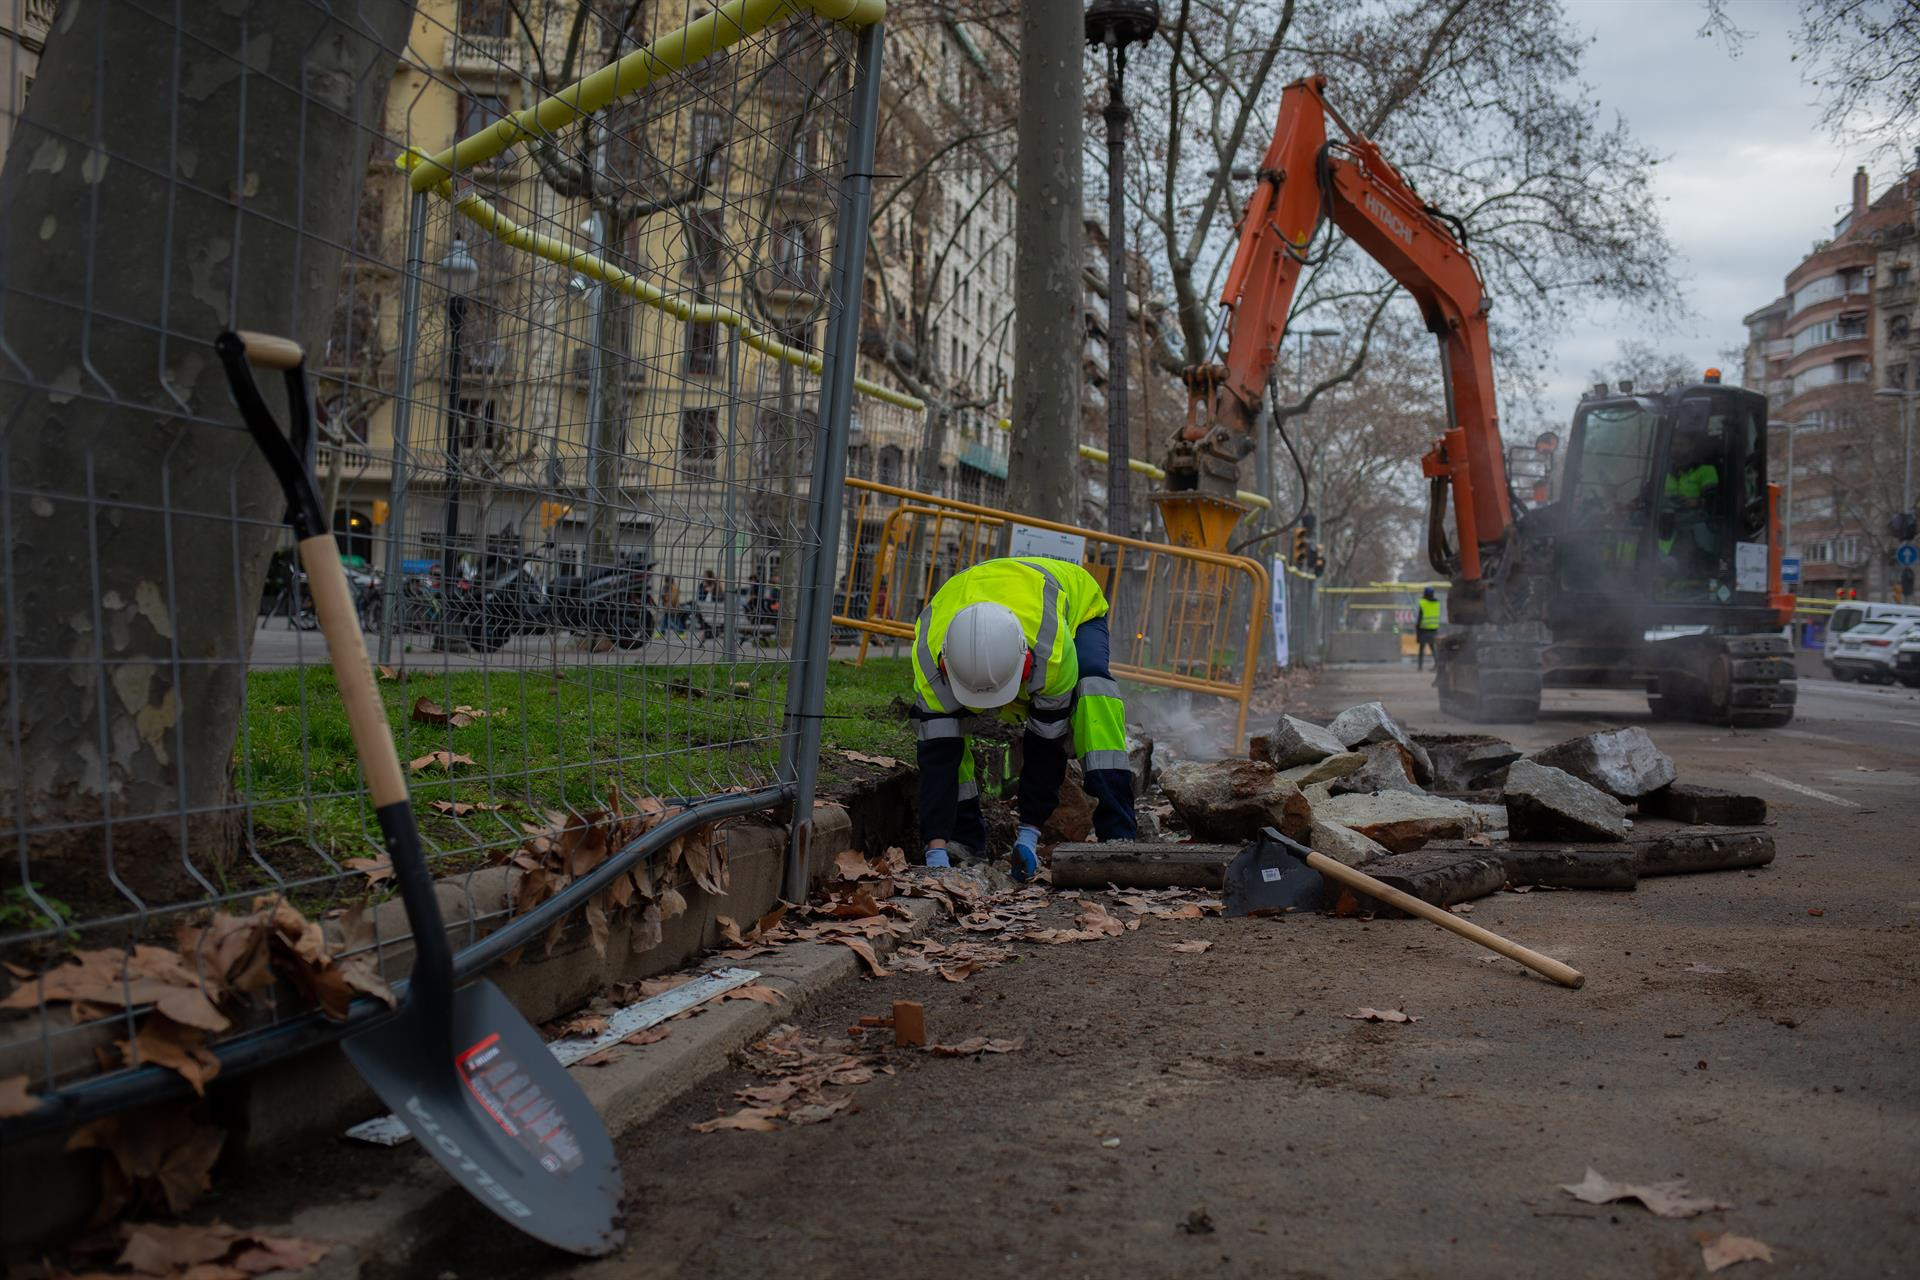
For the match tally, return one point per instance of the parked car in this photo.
(1906, 659)
(1866, 650)
(1847, 616)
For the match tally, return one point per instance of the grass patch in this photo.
(544, 743)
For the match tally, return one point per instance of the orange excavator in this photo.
(1657, 561)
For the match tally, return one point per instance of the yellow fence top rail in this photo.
(700, 39)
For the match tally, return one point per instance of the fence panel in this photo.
(1183, 619)
(577, 384)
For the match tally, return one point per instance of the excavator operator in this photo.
(1691, 488)
(1026, 638)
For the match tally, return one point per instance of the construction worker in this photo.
(1427, 631)
(1691, 486)
(1026, 639)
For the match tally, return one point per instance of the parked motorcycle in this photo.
(615, 601)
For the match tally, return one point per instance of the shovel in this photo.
(1275, 875)
(470, 1077)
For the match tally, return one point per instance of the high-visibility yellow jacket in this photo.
(1429, 614)
(1052, 598)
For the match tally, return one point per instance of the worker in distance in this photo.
(1024, 639)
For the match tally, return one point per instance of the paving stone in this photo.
(1397, 820)
(1140, 760)
(1338, 766)
(1544, 803)
(1343, 844)
(1702, 849)
(1139, 864)
(1388, 767)
(1438, 876)
(1684, 802)
(1624, 763)
(1369, 722)
(1230, 800)
(1466, 761)
(1294, 741)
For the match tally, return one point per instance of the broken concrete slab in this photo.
(1684, 802)
(1343, 844)
(1233, 799)
(1441, 877)
(1072, 817)
(1335, 766)
(1137, 864)
(1466, 761)
(1544, 803)
(1294, 741)
(1369, 722)
(1140, 760)
(1697, 849)
(1397, 820)
(1624, 763)
(1387, 767)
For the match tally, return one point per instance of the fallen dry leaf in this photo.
(729, 931)
(975, 1044)
(461, 808)
(375, 869)
(1381, 1015)
(751, 1119)
(162, 1042)
(758, 992)
(1666, 1199)
(389, 673)
(14, 1098)
(427, 711)
(444, 759)
(1722, 1251)
(1097, 920)
(860, 757)
(1193, 946)
(194, 1252)
(649, 1035)
(156, 1154)
(864, 949)
(851, 864)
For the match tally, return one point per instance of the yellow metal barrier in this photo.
(1182, 628)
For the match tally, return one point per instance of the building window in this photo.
(480, 425)
(793, 256)
(1897, 328)
(890, 460)
(703, 347)
(1898, 276)
(1847, 550)
(1817, 553)
(1897, 375)
(707, 232)
(700, 440)
(483, 17)
(478, 110)
(709, 138)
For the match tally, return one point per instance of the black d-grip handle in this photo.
(286, 454)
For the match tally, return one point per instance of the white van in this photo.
(1847, 616)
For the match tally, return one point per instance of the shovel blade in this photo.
(501, 1115)
(1269, 878)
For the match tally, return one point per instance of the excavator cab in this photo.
(1663, 564)
(1665, 504)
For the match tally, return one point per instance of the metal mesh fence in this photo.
(570, 394)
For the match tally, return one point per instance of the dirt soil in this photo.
(1169, 1114)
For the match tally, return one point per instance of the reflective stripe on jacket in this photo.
(1051, 598)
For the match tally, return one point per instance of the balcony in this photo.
(1896, 295)
(482, 56)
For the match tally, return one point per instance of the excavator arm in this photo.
(1306, 180)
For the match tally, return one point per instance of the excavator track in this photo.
(1490, 674)
(1747, 682)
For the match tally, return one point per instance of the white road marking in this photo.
(1911, 724)
(1805, 791)
(1817, 737)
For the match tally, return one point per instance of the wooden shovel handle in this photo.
(352, 672)
(270, 351)
(1565, 975)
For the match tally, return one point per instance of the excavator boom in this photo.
(1306, 180)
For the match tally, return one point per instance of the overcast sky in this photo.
(1750, 180)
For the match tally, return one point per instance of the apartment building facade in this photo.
(1840, 330)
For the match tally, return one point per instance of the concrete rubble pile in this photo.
(1445, 817)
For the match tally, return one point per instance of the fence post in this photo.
(402, 415)
(807, 683)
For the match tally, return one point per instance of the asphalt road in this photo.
(1172, 1114)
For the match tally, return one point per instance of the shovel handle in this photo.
(1547, 966)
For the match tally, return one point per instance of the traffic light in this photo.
(1317, 560)
(381, 511)
(1299, 546)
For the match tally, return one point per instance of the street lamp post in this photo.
(1792, 429)
(1114, 25)
(1906, 396)
(459, 272)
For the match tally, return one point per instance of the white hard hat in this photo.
(985, 656)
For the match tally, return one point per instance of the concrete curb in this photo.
(390, 1224)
